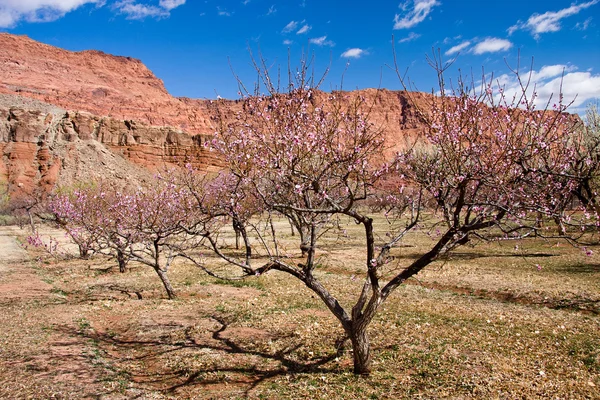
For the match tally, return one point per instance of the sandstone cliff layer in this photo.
(123, 88)
(42, 146)
(96, 82)
(123, 121)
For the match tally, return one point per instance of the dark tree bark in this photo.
(122, 260)
(83, 252)
(560, 226)
(304, 239)
(166, 283)
(361, 348)
(237, 228)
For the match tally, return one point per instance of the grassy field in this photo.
(500, 320)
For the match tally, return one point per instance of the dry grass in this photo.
(484, 324)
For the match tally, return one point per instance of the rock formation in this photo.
(123, 121)
(96, 82)
(123, 88)
(43, 146)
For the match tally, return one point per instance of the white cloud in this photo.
(448, 40)
(457, 48)
(321, 41)
(551, 71)
(491, 45)
(134, 10)
(171, 4)
(290, 27)
(577, 87)
(411, 36)
(419, 11)
(272, 10)
(14, 11)
(223, 12)
(8, 18)
(582, 26)
(549, 21)
(487, 45)
(304, 29)
(287, 42)
(354, 53)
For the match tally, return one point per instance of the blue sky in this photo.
(187, 43)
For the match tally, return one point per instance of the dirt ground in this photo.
(12, 251)
(78, 329)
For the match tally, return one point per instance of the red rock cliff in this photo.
(96, 82)
(122, 112)
(123, 88)
(42, 146)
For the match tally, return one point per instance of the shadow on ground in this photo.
(151, 365)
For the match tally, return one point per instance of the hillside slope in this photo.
(117, 109)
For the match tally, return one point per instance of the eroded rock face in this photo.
(96, 82)
(124, 123)
(42, 149)
(124, 89)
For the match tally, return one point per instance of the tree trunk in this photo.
(362, 351)
(539, 220)
(304, 239)
(31, 223)
(237, 228)
(560, 226)
(166, 283)
(83, 252)
(122, 261)
(237, 240)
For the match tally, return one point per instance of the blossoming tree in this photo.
(585, 166)
(144, 225)
(487, 168)
(86, 215)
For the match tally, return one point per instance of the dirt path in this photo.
(39, 356)
(10, 250)
(18, 281)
